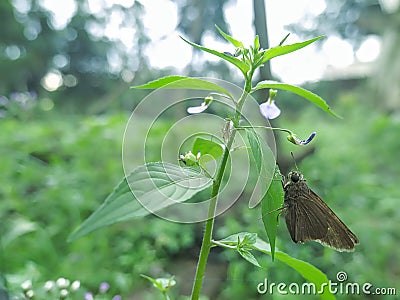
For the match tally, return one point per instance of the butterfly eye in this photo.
(294, 178)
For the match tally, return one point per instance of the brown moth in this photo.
(308, 218)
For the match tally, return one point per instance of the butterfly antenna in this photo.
(294, 160)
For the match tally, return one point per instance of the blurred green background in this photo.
(64, 104)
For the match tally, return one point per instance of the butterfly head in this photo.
(295, 177)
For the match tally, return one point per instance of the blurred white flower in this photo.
(64, 293)
(49, 285)
(75, 285)
(62, 282)
(26, 285)
(30, 294)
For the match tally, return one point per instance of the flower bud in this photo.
(272, 94)
(189, 159)
(294, 140)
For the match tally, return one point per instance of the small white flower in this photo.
(197, 109)
(49, 285)
(62, 282)
(26, 285)
(203, 106)
(30, 294)
(75, 285)
(64, 293)
(269, 109)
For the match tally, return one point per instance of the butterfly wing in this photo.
(338, 235)
(305, 220)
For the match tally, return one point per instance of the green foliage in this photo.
(156, 186)
(270, 208)
(243, 67)
(162, 284)
(232, 40)
(182, 82)
(255, 148)
(59, 194)
(52, 178)
(282, 50)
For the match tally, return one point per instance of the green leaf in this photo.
(230, 39)
(209, 150)
(265, 164)
(233, 60)
(317, 100)
(16, 228)
(256, 43)
(162, 284)
(244, 250)
(153, 281)
(272, 200)
(182, 82)
(305, 269)
(255, 148)
(157, 185)
(249, 239)
(246, 254)
(282, 50)
(284, 39)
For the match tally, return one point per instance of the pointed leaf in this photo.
(265, 164)
(317, 100)
(282, 50)
(246, 254)
(256, 43)
(233, 60)
(284, 39)
(162, 284)
(255, 148)
(272, 200)
(182, 82)
(230, 39)
(154, 281)
(249, 239)
(158, 83)
(155, 186)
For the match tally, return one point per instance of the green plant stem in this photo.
(266, 127)
(216, 243)
(207, 237)
(206, 244)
